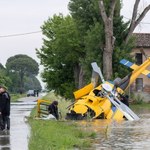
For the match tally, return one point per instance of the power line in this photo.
(20, 34)
(35, 32)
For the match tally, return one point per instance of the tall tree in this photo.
(15, 86)
(31, 82)
(4, 78)
(107, 17)
(86, 16)
(60, 54)
(90, 24)
(22, 65)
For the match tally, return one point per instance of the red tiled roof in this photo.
(142, 39)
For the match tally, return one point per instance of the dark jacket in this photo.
(125, 99)
(5, 104)
(53, 109)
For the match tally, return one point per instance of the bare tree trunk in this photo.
(108, 51)
(109, 40)
(136, 19)
(81, 77)
(78, 76)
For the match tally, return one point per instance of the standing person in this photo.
(5, 107)
(53, 109)
(34, 92)
(37, 93)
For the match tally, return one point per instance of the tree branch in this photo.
(142, 15)
(103, 12)
(112, 8)
(134, 21)
(134, 15)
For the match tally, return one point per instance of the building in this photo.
(142, 83)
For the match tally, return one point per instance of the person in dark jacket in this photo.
(53, 109)
(125, 99)
(5, 107)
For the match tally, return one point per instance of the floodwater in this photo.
(17, 137)
(124, 135)
(111, 135)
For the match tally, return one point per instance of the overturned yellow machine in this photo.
(103, 101)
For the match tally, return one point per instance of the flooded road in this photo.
(111, 135)
(125, 135)
(17, 137)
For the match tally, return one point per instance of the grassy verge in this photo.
(57, 135)
(142, 105)
(15, 97)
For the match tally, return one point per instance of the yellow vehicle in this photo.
(104, 101)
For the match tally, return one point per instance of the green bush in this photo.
(137, 98)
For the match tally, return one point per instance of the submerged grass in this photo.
(57, 135)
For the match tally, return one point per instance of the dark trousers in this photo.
(1, 123)
(6, 121)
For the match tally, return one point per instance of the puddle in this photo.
(17, 137)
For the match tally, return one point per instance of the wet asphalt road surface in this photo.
(18, 136)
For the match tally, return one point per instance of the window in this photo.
(138, 58)
(139, 84)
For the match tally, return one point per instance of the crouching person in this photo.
(53, 109)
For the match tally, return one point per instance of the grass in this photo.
(15, 97)
(57, 135)
(141, 105)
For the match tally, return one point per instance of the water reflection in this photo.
(112, 135)
(4, 140)
(17, 138)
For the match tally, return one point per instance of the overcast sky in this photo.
(23, 16)
(144, 26)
